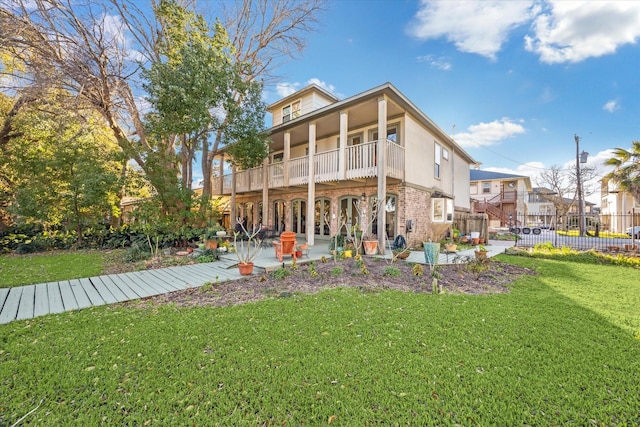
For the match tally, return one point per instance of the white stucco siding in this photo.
(419, 155)
(461, 181)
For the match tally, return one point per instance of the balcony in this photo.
(360, 162)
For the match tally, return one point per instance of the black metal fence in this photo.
(608, 232)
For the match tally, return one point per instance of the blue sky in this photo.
(517, 79)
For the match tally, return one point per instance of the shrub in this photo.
(392, 271)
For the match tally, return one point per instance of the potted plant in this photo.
(370, 244)
(246, 250)
(401, 253)
(450, 247)
(481, 252)
(210, 238)
(336, 243)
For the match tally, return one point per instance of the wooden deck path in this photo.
(26, 302)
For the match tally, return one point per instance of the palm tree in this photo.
(626, 172)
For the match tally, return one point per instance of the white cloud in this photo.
(611, 106)
(571, 31)
(439, 63)
(473, 26)
(492, 133)
(285, 89)
(561, 30)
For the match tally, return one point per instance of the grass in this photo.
(558, 350)
(49, 267)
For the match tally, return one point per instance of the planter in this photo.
(298, 254)
(370, 247)
(481, 254)
(613, 248)
(475, 234)
(475, 240)
(221, 233)
(245, 268)
(481, 240)
(212, 244)
(401, 254)
(630, 247)
(450, 247)
(464, 239)
(431, 252)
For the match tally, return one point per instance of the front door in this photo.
(298, 220)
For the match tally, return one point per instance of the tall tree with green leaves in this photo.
(626, 172)
(197, 90)
(65, 170)
(96, 49)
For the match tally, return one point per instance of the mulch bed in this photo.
(472, 278)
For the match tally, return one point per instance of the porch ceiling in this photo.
(362, 114)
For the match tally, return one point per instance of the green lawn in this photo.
(49, 267)
(558, 350)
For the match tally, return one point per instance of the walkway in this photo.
(27, 302)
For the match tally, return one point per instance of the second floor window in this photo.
(291, 112)
(438, 156)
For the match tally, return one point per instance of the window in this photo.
(442, 210)
(438, 156)
(277, 158)
(392, 134)
(445, 154)
(286, 114)
(290, 111)
(486, 187)
(473, 188)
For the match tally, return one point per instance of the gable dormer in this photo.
(299, 103)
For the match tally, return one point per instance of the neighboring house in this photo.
(617, 208)
(500, 195)
(330, 156)
(541, 208)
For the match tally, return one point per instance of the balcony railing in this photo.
(360, 162)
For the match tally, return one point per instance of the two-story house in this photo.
(502, 196)
(333, 160)
(618, 209)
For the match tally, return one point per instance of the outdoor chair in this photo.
(286, 245)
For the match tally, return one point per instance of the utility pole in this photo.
(580, 159)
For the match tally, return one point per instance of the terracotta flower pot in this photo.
(245, 268)
(481, 254)
(370, 247)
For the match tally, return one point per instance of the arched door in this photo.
(322, 217)
(298, 214)
(348, 212)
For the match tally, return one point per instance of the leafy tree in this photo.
(95, 51)
(65, 171)
(626, 172)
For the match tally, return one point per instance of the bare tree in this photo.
(562, 184)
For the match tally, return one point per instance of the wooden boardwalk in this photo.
(26, 302)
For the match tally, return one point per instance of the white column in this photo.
(342, 152)
(382, 169)
(221, 174)
(234, 214)
(311, 187)
(285, 158)
(265, 192)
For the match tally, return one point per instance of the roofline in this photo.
(387, 89)
(299, 92)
